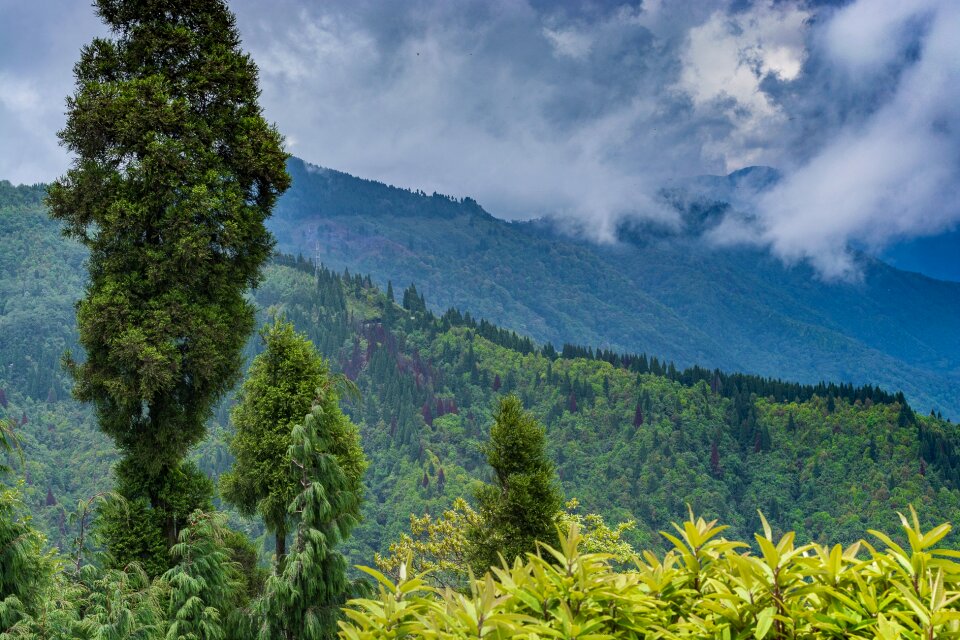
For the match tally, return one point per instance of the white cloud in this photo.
(568, 42)
(867, 35)
(894, 176)
(724, 63)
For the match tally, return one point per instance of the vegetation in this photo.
(519, 509)
(428, 392)
(174, 175)
(705, 586)
(277, 393)
(303, 599)
(660, 290)
(359, 412)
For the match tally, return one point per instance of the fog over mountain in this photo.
(583, 110)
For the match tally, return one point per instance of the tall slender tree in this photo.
(175, 171)
(277, 393)
(302, 601)
(25, 570)
(520, 507)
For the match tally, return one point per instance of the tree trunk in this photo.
(281, 543)
(170, 529)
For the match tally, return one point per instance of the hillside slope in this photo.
(669, 294)
(632, 437)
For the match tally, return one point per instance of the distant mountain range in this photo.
(656, 291)
(632, 439)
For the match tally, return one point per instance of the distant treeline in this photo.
(730, 385)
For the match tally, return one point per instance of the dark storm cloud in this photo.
(582, 110)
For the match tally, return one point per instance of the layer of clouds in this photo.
(889, 174)
(583, 110)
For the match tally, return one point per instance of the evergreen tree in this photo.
(202, 581)
(175, 172)
(25, 570)
(303, 600)
(520, 507)
(277, 393)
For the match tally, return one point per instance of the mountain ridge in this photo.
(734, 308)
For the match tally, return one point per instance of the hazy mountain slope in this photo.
(827, 467)
(670, 295)
(936, 256)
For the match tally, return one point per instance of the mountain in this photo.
(657, 291)
(936, 256)
(632, 437)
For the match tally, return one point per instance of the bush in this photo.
(704, 587)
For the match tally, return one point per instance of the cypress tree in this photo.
(175, 171)
(25, 570)
(201, 583)
(277, 393)
(638, 415)
(302, 601)
(519, 508)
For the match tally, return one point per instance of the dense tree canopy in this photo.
(302, 600)
(519, 509)
(276, 395)
(175, 171)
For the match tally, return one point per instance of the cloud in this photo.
(39, 43)
(568, 42)
(891, 175)
(724, 63)
(583, 110)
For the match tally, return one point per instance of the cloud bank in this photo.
(581, 111)
(890, 174)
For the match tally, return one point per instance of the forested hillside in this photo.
(657, 290)
(633, 437)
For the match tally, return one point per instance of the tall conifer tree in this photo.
(520, 507)
(175, 171)
(277, 394)
(303, 600)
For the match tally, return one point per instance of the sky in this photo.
(583, 111)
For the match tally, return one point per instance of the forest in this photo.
(203, 438)
(633, 439)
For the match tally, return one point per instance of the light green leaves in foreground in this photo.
(705, 587)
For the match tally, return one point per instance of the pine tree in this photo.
(202, 581)
(175, 172)
(25, 570)
(303, 601)
(520, 507)
(277, 393)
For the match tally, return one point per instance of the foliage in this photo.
(439, 548)
(200, 583)
(303, 599)
(705, 586)
(436, 547)
(174, 175)
(519, 509)
(659, 290)
(25, 569)
(810, 474)
(596, 536)
(276, 394)
(131, 528)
